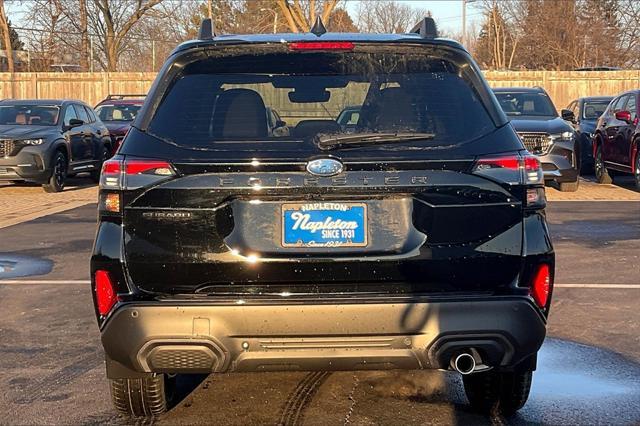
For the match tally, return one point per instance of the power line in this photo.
(39, 30)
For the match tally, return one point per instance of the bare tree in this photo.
(114, 21)
(6, 39)
(300, 16)
(388, 16)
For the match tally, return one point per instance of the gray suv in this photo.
(44, 141)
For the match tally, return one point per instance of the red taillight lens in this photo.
(114, 172)
(106, 296)
(321, 45)
(541, 285)
(511, 169)
(156, 167)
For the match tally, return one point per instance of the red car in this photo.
(117, 112)
(617, 138)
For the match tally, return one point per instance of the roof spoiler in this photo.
(119, 97)
(426, 28)
(207, 30)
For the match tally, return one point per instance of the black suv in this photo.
(545, 134)
(43, 141)
(416, 240)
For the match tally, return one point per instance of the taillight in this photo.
(133, 173)
(541, 286)
(511, 169)
(106, 296)
(321, 45)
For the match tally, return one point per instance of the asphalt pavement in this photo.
(51, 365)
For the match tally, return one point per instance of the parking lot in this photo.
(51, 365)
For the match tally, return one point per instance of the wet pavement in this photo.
(51, 366)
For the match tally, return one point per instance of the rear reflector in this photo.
(541, 286)
(321, 45)
(110, 202)
(106, 296)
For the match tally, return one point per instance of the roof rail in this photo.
(207, 30)
(118, 97)
(426, 28)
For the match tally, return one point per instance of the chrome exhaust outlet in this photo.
(464, 363)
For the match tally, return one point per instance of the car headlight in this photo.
(32, 141)
(564, 136)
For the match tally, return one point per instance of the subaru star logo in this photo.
(324, 167)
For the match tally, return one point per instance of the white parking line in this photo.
(43, 282)
(597, 285)
(86, 282)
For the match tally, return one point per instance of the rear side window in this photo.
(227, 99)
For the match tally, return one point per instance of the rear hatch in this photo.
(233, 202)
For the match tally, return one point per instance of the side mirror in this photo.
(281, 123)
(624, 116)
(568, 115)
(74, 122)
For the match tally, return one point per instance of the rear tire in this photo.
(495, 392)
(569, 186)
(58, 174)
(601, 172)
(143, 397)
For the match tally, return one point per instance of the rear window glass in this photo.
(227, 99)
(594, 109)
(526, 103)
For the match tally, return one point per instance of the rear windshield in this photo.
(122, 112)
(526, 103)
(228, 98)
(594, 109)
(29, 115)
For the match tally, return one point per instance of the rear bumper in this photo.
(187, 338)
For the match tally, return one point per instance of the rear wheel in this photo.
(602, 175)
(569, 186)
(58, 174)
(143, 397)
(495, 392)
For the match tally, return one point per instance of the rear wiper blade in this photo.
(327, 142)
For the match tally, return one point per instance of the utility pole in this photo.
(464, 20)
(210, 7)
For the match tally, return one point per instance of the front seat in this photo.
(239, 114)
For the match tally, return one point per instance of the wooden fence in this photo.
(563, 86)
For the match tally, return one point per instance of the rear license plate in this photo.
(324, 225)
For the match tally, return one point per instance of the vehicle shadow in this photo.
(621, 181)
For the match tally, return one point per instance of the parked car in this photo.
(42, 141)
(545, 134)
(616, 142)
(117, 112)
(586, 112)
(411, 242)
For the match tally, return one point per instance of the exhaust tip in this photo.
(464, 363)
